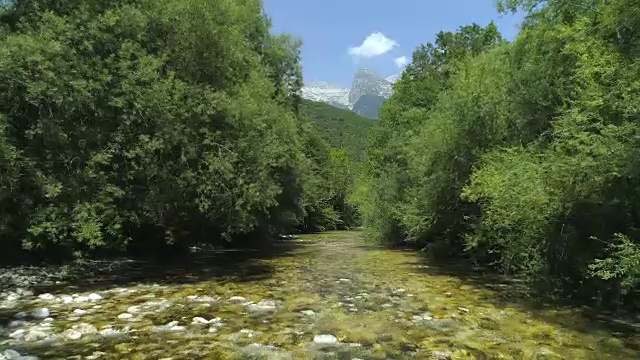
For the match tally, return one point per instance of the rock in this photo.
(448, 294)
(108, 332)
(134, 309)
(264, 306)
(48, 320)
(423, 317)
(325, 339)
(398, 291)
(18, 334)
(46, 296)
(41, 313)
(34, 335)
(344, 280)
(308, 312)
(84, 328)
(81, 299)
(440, 355)
(71, 334)
(80, 311)
(464, 310)
(20, 315)
(95, 297)
(172, 326)
(95, 355)
(17, 323)
(67, 299)
(216, 321)
(10, 354)
(238, 299)
(202, 299)
(199, 321)
(125, 316)
(12, 297)
(213, 329)
(387, 305)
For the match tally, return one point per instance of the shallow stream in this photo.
(323, 296)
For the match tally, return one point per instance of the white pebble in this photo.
(125, 316)
(200, 320)
(46, 296)
(79, 311)
(41, 313)
(95, 297)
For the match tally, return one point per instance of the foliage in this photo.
(338, 127)
(132, 124)
(521, 155)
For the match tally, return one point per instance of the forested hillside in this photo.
(340, 128)
(520, 155)
(128, 125)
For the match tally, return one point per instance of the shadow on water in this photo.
(502, 291)
(232, 265)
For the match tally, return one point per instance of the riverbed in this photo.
(320, 296)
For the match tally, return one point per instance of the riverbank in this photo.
(323, 296)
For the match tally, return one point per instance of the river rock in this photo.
(264, 306)
(41, 313)
(10, 354)
(79, 312)
(35, 335)
(67, 299)
(440, 355)
(46, 296)
(464, 310)
(344, 280)
(398, 292)
(94, 297)
(325, 340)
(17, 323)
(85, 329)
(308, 312)
(125, 316)
(20, 315)
(172, 326)
(81, 298)
(260, 351)
(238, 299)
(199, 321)
(71, 334)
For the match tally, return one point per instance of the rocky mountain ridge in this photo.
(367, 93)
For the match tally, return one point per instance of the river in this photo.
(321, 296)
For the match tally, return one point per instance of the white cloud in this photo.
(401, 61)
(374, 45)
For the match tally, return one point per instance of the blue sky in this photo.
(342, 35)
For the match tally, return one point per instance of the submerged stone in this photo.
(238, 299)
(325, 339)
(41, 313)
(264, 306)
(46, 296)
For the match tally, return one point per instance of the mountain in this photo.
(327, 93)
(393, 78)
(365, 82)
(340, 128)
(369, 105)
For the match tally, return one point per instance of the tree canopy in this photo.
(519, 155)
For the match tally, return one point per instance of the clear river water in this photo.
(321, 296)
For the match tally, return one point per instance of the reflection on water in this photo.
(315, 297)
